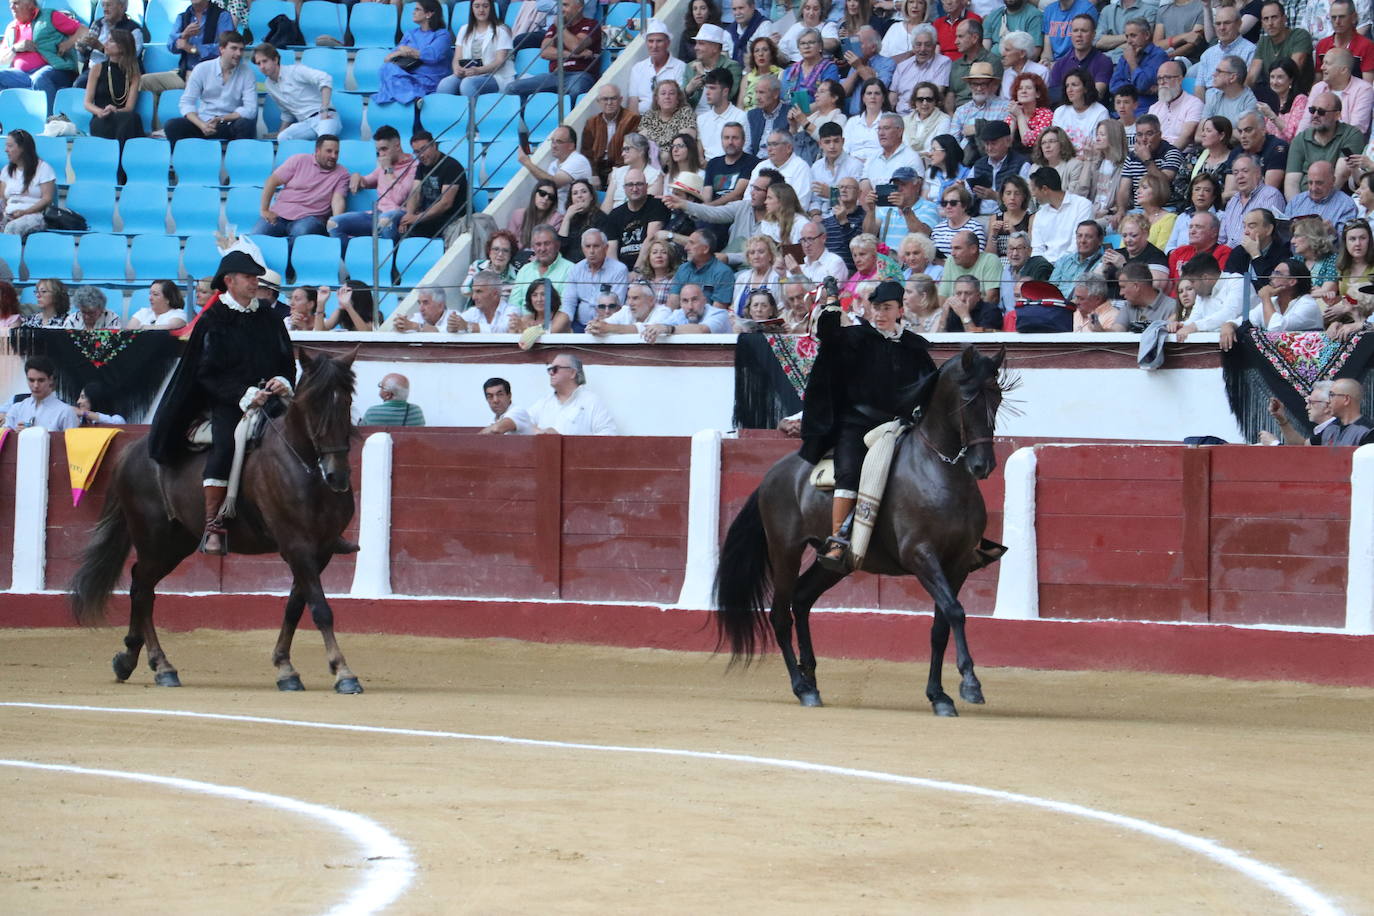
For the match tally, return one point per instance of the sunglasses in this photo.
(950, 203)
(925, 98)
(1313, 109)
(543, 193)
(554, 369)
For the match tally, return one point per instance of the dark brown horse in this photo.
(930, 526)
(296, 500)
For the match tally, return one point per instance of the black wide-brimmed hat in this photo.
(236, 262)
(887, 291)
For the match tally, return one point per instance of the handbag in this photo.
(408, 64)
(63, 220)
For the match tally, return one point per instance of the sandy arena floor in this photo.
(1279, 773)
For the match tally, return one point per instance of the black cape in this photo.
(857, 365)
(227, 353)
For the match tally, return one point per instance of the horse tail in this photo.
(102, 563)
(744, 579)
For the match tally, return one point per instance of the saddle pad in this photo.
(198, 436)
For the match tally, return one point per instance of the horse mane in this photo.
(919, 394)
(326, 374)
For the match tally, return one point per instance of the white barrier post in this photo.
(1359, 588)
(1018, 581)
(30, 510)
(372, 572)
(703, 522)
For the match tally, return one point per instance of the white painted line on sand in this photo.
(1303, 897)
(386, 862)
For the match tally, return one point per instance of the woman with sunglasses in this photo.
(956, 215)
(542, 210)
(927, 119)
(944, 165)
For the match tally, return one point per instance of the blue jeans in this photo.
(573, 84)
(359, 223)
(290, 228)
(471, 86)
(45, 78)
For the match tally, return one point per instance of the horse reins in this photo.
(965, 442)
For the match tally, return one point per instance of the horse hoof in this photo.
(167, 679)
(291, 683)
(945, 708)
(972, 694)
(123, 666)
(348, 685)
(810, 698)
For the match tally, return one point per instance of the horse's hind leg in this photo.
(287, 678)
(816, 581)
(306, 571)
(143, 579)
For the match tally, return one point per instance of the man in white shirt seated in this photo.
(505, 418)
(694, 316)
(570, 409)
(302, 95)
(1056, 221)
(641, 309)
(42, 407)
(1219, 297)
(433, 316)
(488, 313)
(817, 262)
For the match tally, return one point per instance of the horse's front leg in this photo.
(306, 571)
(949, 617)
(287, 678)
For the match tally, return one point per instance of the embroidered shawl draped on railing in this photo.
(1286, 366)
(129, 365)
(770, 377)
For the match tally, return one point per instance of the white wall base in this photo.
(1359, 589)
(1018, 580)
(703, 522)
(30, 510)
(372, 572)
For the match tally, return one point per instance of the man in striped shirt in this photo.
(395, 409)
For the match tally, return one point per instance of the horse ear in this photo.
(346, 361)
(968, 357)
(1001, 355)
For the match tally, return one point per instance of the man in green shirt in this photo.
(1015, 16)
(1277, 42)
(394, 410)
(547, 264)
(1329, 138)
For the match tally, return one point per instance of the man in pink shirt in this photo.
(312, 190)
(1178, 111)
(1340, 79)
(393, 177)
(39, 49)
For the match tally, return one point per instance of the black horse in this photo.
(930, 526)
(296, 499)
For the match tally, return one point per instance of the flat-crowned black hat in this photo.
(887, 291)
(236, 262)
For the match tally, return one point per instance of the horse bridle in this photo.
(321, 451)
(965, 442)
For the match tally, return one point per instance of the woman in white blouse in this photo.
(29, 184)
(813, 13)
(483, 61)
(164, 311)
(861, 131)
(760, 253)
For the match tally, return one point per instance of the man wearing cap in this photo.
(998, 163)
(984, 104)
(694, 315)
(603, 136)
(895, 215)
(709, 41)
(971, 54)
(237, 357)
(1059, 215)
(712, 122)
(853, 388)
(659, 65)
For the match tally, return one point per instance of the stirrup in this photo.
(214, 527)
(838, 564)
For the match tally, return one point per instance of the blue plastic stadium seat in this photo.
(143, 107)
(195, 210)
(138, 301)
(415, 257)
(147, 160)
(621, 13)
(512, 13)
(528, 62)
(333, 61)
(158, 58)
(159, 16)
(445, 116)
(201, 256)
(168, 106)
(104, 259)
(242, 208)
(143, 208)
(94, 200)
(53, 151)
(401, 117)
(47, 254)
(155, 257)
(358, 156)
(373, 26)
(1112, 241)
(78, 9)
(321, 17)
(358, 260)
(349, 107)
(273, 251)
(541, 115)
(361, 201)
(263, 12)
(12, 252)
(72, 103)
(94, 159)
(24, 109)
(499, 165)
(271, 114)
(248, 162)
(458, 15)
(495, 114)
(315, 260)
(197, 161)
(367, 63)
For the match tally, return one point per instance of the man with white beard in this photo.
(984, 104)
(1179, 112)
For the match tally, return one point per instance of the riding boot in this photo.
(344, 545)
(834, 557)
(216, 539)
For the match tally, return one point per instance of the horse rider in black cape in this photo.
(855, 385)
(238, 355)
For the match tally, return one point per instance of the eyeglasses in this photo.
(950, 203)
(543, 193)
(926, 98)
(553, 370)
(1314, 110)
(607, 305)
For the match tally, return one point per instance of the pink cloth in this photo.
(307, 189)
(30, 61)
(395, 187)
(1173, 115)
(1357, 104)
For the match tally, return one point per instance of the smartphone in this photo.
(802, 100)
(525, 147)
(884, 191)
(834, 197)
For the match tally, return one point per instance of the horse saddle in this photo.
(823, 476)
(199, 436)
